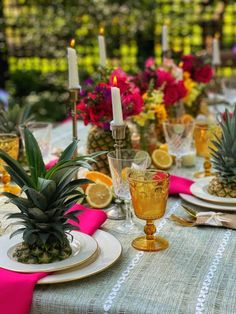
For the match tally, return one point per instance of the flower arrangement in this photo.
(196, 74)
(166, 86)
(95, 104)
(164, 89)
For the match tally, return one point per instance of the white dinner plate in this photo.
(110, 251)
(199, 189)
(198, 202)
(83, 248)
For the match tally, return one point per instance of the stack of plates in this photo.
(201, 199)
(90, 255)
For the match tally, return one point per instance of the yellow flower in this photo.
(186, 75)
(161, 113)
(189, 84)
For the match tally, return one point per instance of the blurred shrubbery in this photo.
(46, 92)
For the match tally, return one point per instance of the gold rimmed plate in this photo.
(204, 205)
(199, 189)
(110, 250)
(83, 248)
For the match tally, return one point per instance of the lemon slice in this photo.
(99, 195)
(161, 159)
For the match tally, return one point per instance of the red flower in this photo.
(96, 107)
(164, 78)
(188, 62)
(223, 115)
(174, 92)
(171, 94)
(203, 74)
(181, 89)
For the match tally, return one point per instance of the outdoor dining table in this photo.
(196, 274)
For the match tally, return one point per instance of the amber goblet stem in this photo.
(207, 167)
(150, 229)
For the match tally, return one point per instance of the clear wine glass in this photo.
(179, 137)
(120, 167)
(229, 90)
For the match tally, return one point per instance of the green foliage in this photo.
(46, 94)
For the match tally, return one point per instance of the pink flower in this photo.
(150, 62)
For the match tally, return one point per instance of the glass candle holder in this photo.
(149, 193)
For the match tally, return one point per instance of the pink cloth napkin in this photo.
(179, 185)
(16, 289)
(51, 163)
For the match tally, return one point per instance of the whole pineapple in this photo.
(102, 140)
(224, 158)
(11, 119)
(49, 194)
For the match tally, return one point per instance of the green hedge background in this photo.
(34, 35)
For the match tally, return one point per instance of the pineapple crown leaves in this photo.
(11, 119)
(44, 213)
(224, 153)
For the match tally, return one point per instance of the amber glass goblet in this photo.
(149, 193)
(9, 143)
(203, 135)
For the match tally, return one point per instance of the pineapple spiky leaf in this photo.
(34, 157)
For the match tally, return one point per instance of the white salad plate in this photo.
(83, 248)
(206, 205)
(199, 189)
(110, 250)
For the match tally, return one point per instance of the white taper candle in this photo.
(73, 73)
(116, 105)
(102, 48)
(216, 52)
(165, 44)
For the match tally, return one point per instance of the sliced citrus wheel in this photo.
(99, 195)
(161, 159)
(97, 176)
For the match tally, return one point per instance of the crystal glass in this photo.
(149, 193)
(229, 90)
(42, 132)
(9, 143)
(120, 167)
(203, 135)
(179, 137)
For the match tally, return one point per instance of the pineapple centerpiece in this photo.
(224, 158)
(43, 215)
